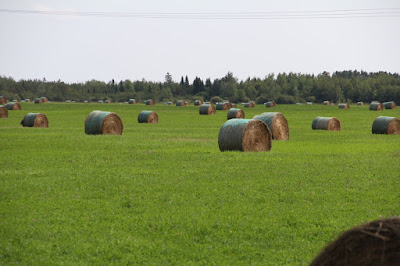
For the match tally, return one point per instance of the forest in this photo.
(284, 88)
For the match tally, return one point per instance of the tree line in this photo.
(340, 86)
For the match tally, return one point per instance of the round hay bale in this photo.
(309, 103)
(38, 101)
(170, 103)
(233, 105)
(327, 123)
(344, 106)
(148, 117)
(270, 104)
(99, 122)
(244, 135)
(3, 111)
(150, 102)
(13, 106)
(35, 120)
(100, 101)
(3, 100)
(248, 105)
(326, 103)
(45, 100)
(223, 106)
(375, 106)
(132, 101)
(389, 105)
(180, 103)
(235, 113)
(85, 101)
(374, 243)
(207, 109)
(360, 103)
(107, 101)
(198, 103)
(277, 123)
(386, 125)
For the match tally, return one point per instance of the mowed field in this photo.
(164, 193)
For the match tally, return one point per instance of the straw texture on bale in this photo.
(327, 123)
(132, 101)
(326, 103)
(389, 105)
(376, 106)
(386, 125)
(180, 103)
(3, 112)
(198, 103)
(207, 109)
(148, 117)
(248, 105)
(223, 106)
(3, 100)
(150, 102)
(235, 113)
(13, 106)
(344, 106)
(360, 103)
(374, 243)
(277, 124)
(99, 122)
(35, 120)
(270, 104)
(244, 135)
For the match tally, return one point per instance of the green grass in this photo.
(164, 193)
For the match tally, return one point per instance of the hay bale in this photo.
(326, 123)
(180, 103)
(35, 120)
(233, 105)
(360, 103)
(100, 101)
(150, 102)
(45, 100)
(68, 101)
(198, 103)
(38, 101)
(244, 135)
(3, 100)
(374, 243)
(326, 103)
(235, 113)
(85, 101)
(389, 105)
(170, 103)
(248, 105)
(3, 111)
(309, 103)
(344, 106)
(207, 109)
(148, 117)
(132, 101)
(270, 104)
(107, 101)
(99, 122)
(13, 106)
(223, 106)
(375, 106)
(277, 124)
(386, 125)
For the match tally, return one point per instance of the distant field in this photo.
(164, 193)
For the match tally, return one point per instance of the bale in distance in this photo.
(35, 120)
(375, 106)
(100, 101)
(244, 135)
(150, 102)
(45, 100)
(344, 106)
(38, 101)
(198, 103)
(386, 125)
(270, 104)
(248, 105)
(3, 111)
(235, 113)
(374, 243)
(207, 109)
(309, 103)
(107, 101)
(132, 101)
(326, 123)
(326, 103)
(223, 106)
(13, 106)
(276, 123)
(389, 105)
(107, 123)
(3, 100)
(170, 103)
(360, 103)
(180, 103)
(148, 117)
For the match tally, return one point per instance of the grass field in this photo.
(164, 193)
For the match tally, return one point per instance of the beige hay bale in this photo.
(375, 106)
(148, 117)
(35, 120)
(107, 123)
(207, 109)
(3, 100)
(386, 125)
(277, 123)
(235, 113)
(3, 111)
(326, 123)
(389, 105)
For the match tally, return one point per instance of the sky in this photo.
(195, 38)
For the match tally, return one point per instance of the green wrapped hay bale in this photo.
(344, 106)
(35, 120)
(107, 123)
(148, 117)
(107, 101)
(198, 103)
(248, 105)
(375, 106)
(360, 103)
(386, 125)
(39, 101)
(277, 124)
(326, 123)
(100, 101)
(149, 102)
(180, 103)
(389, 105)
(3, 100)
(44, 99)
(3, 111)
(235, 113)
(373, 243)
(132, 101)
(223, 106)
(326, 103)
(207, 109)
(244, 135)
(270, 104)
(13, 106)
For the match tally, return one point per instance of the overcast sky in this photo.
(80, 48)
